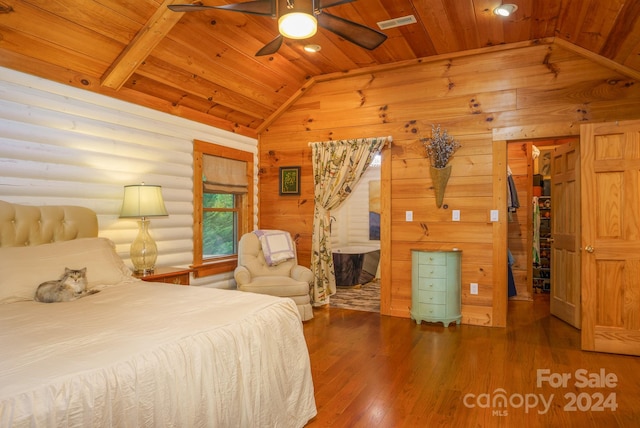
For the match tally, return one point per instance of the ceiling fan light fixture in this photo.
(297, 25)
(505, 9)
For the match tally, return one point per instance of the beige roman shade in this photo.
(224, 175)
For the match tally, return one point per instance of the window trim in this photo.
(221, 264)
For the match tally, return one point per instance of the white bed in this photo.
(136, 353)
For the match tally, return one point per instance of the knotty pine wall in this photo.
(483, 98)
(60, 145)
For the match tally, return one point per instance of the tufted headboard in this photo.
(24, 225)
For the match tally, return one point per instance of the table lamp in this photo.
(143, 201)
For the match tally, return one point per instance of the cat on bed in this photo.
(72, 285)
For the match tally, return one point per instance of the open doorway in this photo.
(355, 241)
(537, 258)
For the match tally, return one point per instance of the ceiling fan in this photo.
(310, 12)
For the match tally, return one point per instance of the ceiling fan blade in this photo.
(358, 34)
(257, 7)
(271, 47)
(329, 3)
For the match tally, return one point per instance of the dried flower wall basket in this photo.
(440, 177)
(439, 149)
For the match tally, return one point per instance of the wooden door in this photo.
(610, 165)
(565, 232)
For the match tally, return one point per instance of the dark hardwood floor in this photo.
(371, 370)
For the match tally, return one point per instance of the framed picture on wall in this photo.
(289, 180)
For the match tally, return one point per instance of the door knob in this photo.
(589, 249)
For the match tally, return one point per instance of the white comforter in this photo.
(143, 354)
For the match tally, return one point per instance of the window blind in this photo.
(223, 175)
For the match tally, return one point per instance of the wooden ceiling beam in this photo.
(153, 31)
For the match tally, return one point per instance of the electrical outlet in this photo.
(494, 215)
(473, 288)
(455, 215)
(408, 215)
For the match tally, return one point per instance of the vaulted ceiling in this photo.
(202, 65)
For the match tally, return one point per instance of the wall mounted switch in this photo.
(473, 289)
(408, 215)
(455, 215)
(494, 215)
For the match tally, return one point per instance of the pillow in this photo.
(276, 246)
(22, 269)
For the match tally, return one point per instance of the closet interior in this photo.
(530, 233)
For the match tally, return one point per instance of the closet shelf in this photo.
(542, 268)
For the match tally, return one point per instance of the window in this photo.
(223, 201)
(220, 213)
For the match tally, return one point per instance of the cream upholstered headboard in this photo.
(24, 225)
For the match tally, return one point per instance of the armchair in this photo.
(284, 279)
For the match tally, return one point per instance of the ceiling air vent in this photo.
(397, 22)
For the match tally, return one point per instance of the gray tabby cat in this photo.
(71, 286)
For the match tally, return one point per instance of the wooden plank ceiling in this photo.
(201, 65)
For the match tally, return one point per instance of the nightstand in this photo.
(170, 275)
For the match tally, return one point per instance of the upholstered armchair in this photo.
(268, 264)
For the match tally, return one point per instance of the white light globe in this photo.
(297, 25)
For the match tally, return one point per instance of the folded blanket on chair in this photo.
(276, 246)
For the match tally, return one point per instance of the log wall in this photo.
(61, 145)
(483, 98)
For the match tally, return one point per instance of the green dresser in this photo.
(435, 286)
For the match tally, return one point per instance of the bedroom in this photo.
(82, 148)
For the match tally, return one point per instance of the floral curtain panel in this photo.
(337, 167)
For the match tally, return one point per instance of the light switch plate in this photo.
(494, 215)
(473, 288)
(408, 215)
(455, 215)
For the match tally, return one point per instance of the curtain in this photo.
(337, 167)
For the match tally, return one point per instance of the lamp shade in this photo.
(141, 200)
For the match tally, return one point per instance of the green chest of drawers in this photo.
(435, 286)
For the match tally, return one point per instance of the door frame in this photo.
(501, 137)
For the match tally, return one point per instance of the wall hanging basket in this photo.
(440, 177)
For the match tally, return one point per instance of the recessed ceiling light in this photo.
(312, 48)
(505, 9)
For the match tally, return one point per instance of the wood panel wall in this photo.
(483, 98)
(65, 146)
